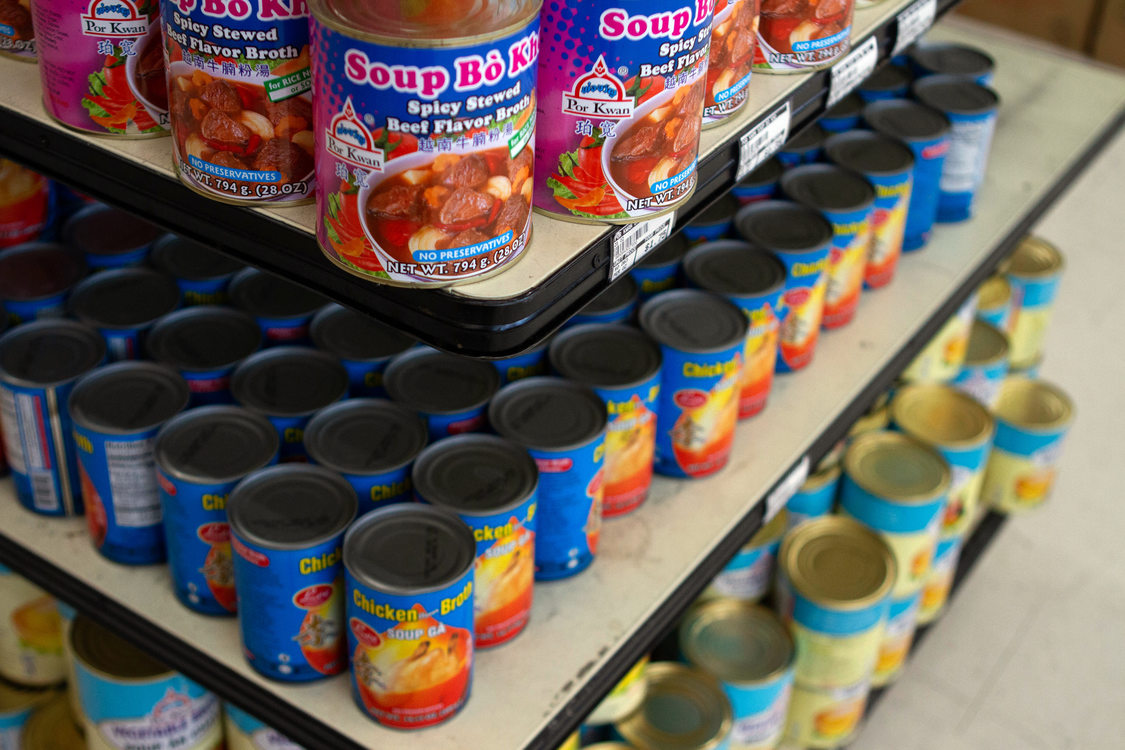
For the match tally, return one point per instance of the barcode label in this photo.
(853, 70)
(635, 241)
(786, 488)
(763, 141)
(913, 23)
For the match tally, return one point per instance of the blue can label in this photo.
(839, 124)
(206, 292)
(1000, 316)
(443, 425)
(651, 281)
(929, 160)
(291, 430)
(242, 728)
(102, 261)
(411, 656)
(522, 366)
(571, 490)
(39, 444)
(211, 387)
(812, 503)
(376, 490)
(963, 172)
(759, 711)
(291, 607)
(365, 377)
(122, 344)
(20, 311)
(1022, 467)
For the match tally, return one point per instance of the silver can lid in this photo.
(475, 474)
(128, 397)
(291, 506)
(215, 444)
(289, 381)
(365, 436)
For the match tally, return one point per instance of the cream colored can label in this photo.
(826, 661)
(897, 639)
(1027, 338)
(825, 718)
(941, 360)
(1016, 483)
(31, 651)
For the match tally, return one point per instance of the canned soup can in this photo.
(815, 498)
(204, 344)
(123, 304)
(287, 385)
(1032, 418)
(750, 651)
(450, 391)
(986, 364)
(623, 366)
(36, 279)
(425, 136)
(39, 365)
(31, 652)
(888, 164)
(200, 456)
(898, 486)
(562, 425)
(530, 363)
(943, 357)
(944, 58)
(246, 732)
(287, 528)
(825, 718)
(799, 37)
(110, 237)
(241, 99)
(102, 66)
(749, 576)
(702, 339)
(117, 411)
(939, 584)
(129, 699)
(802, 238)
(998, 305)
(410, 614)
(364, 346)
(17, 37)
(1034, 271)
(714, 222)
(614, 305)
(26, 203)
(888, 82)
(803, 148)
(685, 708)
(844, 115)
(372, 443)
(622, 92)
(659, 270)
(52, 726)
(734, 34)
(902, 623)
(847, 200)
(202, 273)
(759, 185)
(284, 310)
(626, 696)
(754, 281)
(491, 484)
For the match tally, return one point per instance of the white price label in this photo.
(913, 23)
(763, 141)
(853, 70)
(635, 241)
(786, 489)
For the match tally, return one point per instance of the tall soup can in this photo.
(36, 278)
(109, 237)
(525, 365)
(621, 93)
(283, 309)
(844, 115)
(17, 705)
(733, 38)
(1032, 418)
(425, 135)
(26, 203)
(986, 364)
(202, 273)
(799, 37)
(749, 575)
(53, 726)
(816, 497)
(944, 58)
(616, 304)
(803, 148)
(124, 304)
(102, 66)
(659, 270)
(702, 339)
(622, 365)
(452, 392)
(759, 185)
(364, 345)
(1034, 271)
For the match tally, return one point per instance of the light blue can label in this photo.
(812, 503)
(571, 489)
(39, 445)
(963, 172)
(243, 728)
(759, 711)
(929, 160)
(982, 382)
(285, 331)
(11, 727)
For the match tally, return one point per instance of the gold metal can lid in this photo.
(684, 709)
(876, 419)
(987, 345)
(738, 642)
(837, 563)
(53, 727)
(996, 291)
(1034, 405)
(770, 532)
(110, 656)
(942, 416)
(13, 698)
(1034, 257)
(897, 468)
(825, 476)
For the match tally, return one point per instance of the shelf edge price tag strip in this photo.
(913, 23)
(786, 488)
(853, 70)
(762, 141)
(635, 241)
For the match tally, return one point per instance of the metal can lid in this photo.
(45, 353)
(1033, 405)
(186, 259)
(37, 270)
(667, 253)
(838, 563)
(435, 382)
(952, 59)
(821, 478)
(203, 338)
(767, 174)
(464, 23)
(548, 413)
(868, 152)
(955, 94)
(684, 709)
(996, 291)
(888, 78)
(605, 356)
(354, 336)
(897, 468)
(409, 549)
(53, 727)
(734, 269)
(364, 436)
(105, 230)
(289, 381)
(809, 139)
(265, 295)
(691, 320)
(1034, 257)
(617, 296)
(215, 444)
(771, 531)
(110, 656)
(128, 397)
(14, 698)
(783, 227)
(719, 211)
(291, 506)
(987, 344)
(941, 415)
(475, 475)
(738, 642)
(124, 298)
(827, 187)
(850, 106)
(910, 121)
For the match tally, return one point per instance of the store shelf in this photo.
(565, 267)
(585, 632)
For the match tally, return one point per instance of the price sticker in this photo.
(786, 489)
(635, 241)
(913, 23)
(763, 140)
(853, 70)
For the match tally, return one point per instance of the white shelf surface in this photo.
(1053, 110)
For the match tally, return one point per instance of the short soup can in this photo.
(986, 363)
(450, 391)
(749, 575)
(1034, 271)
(364, 345)
(123, 304)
